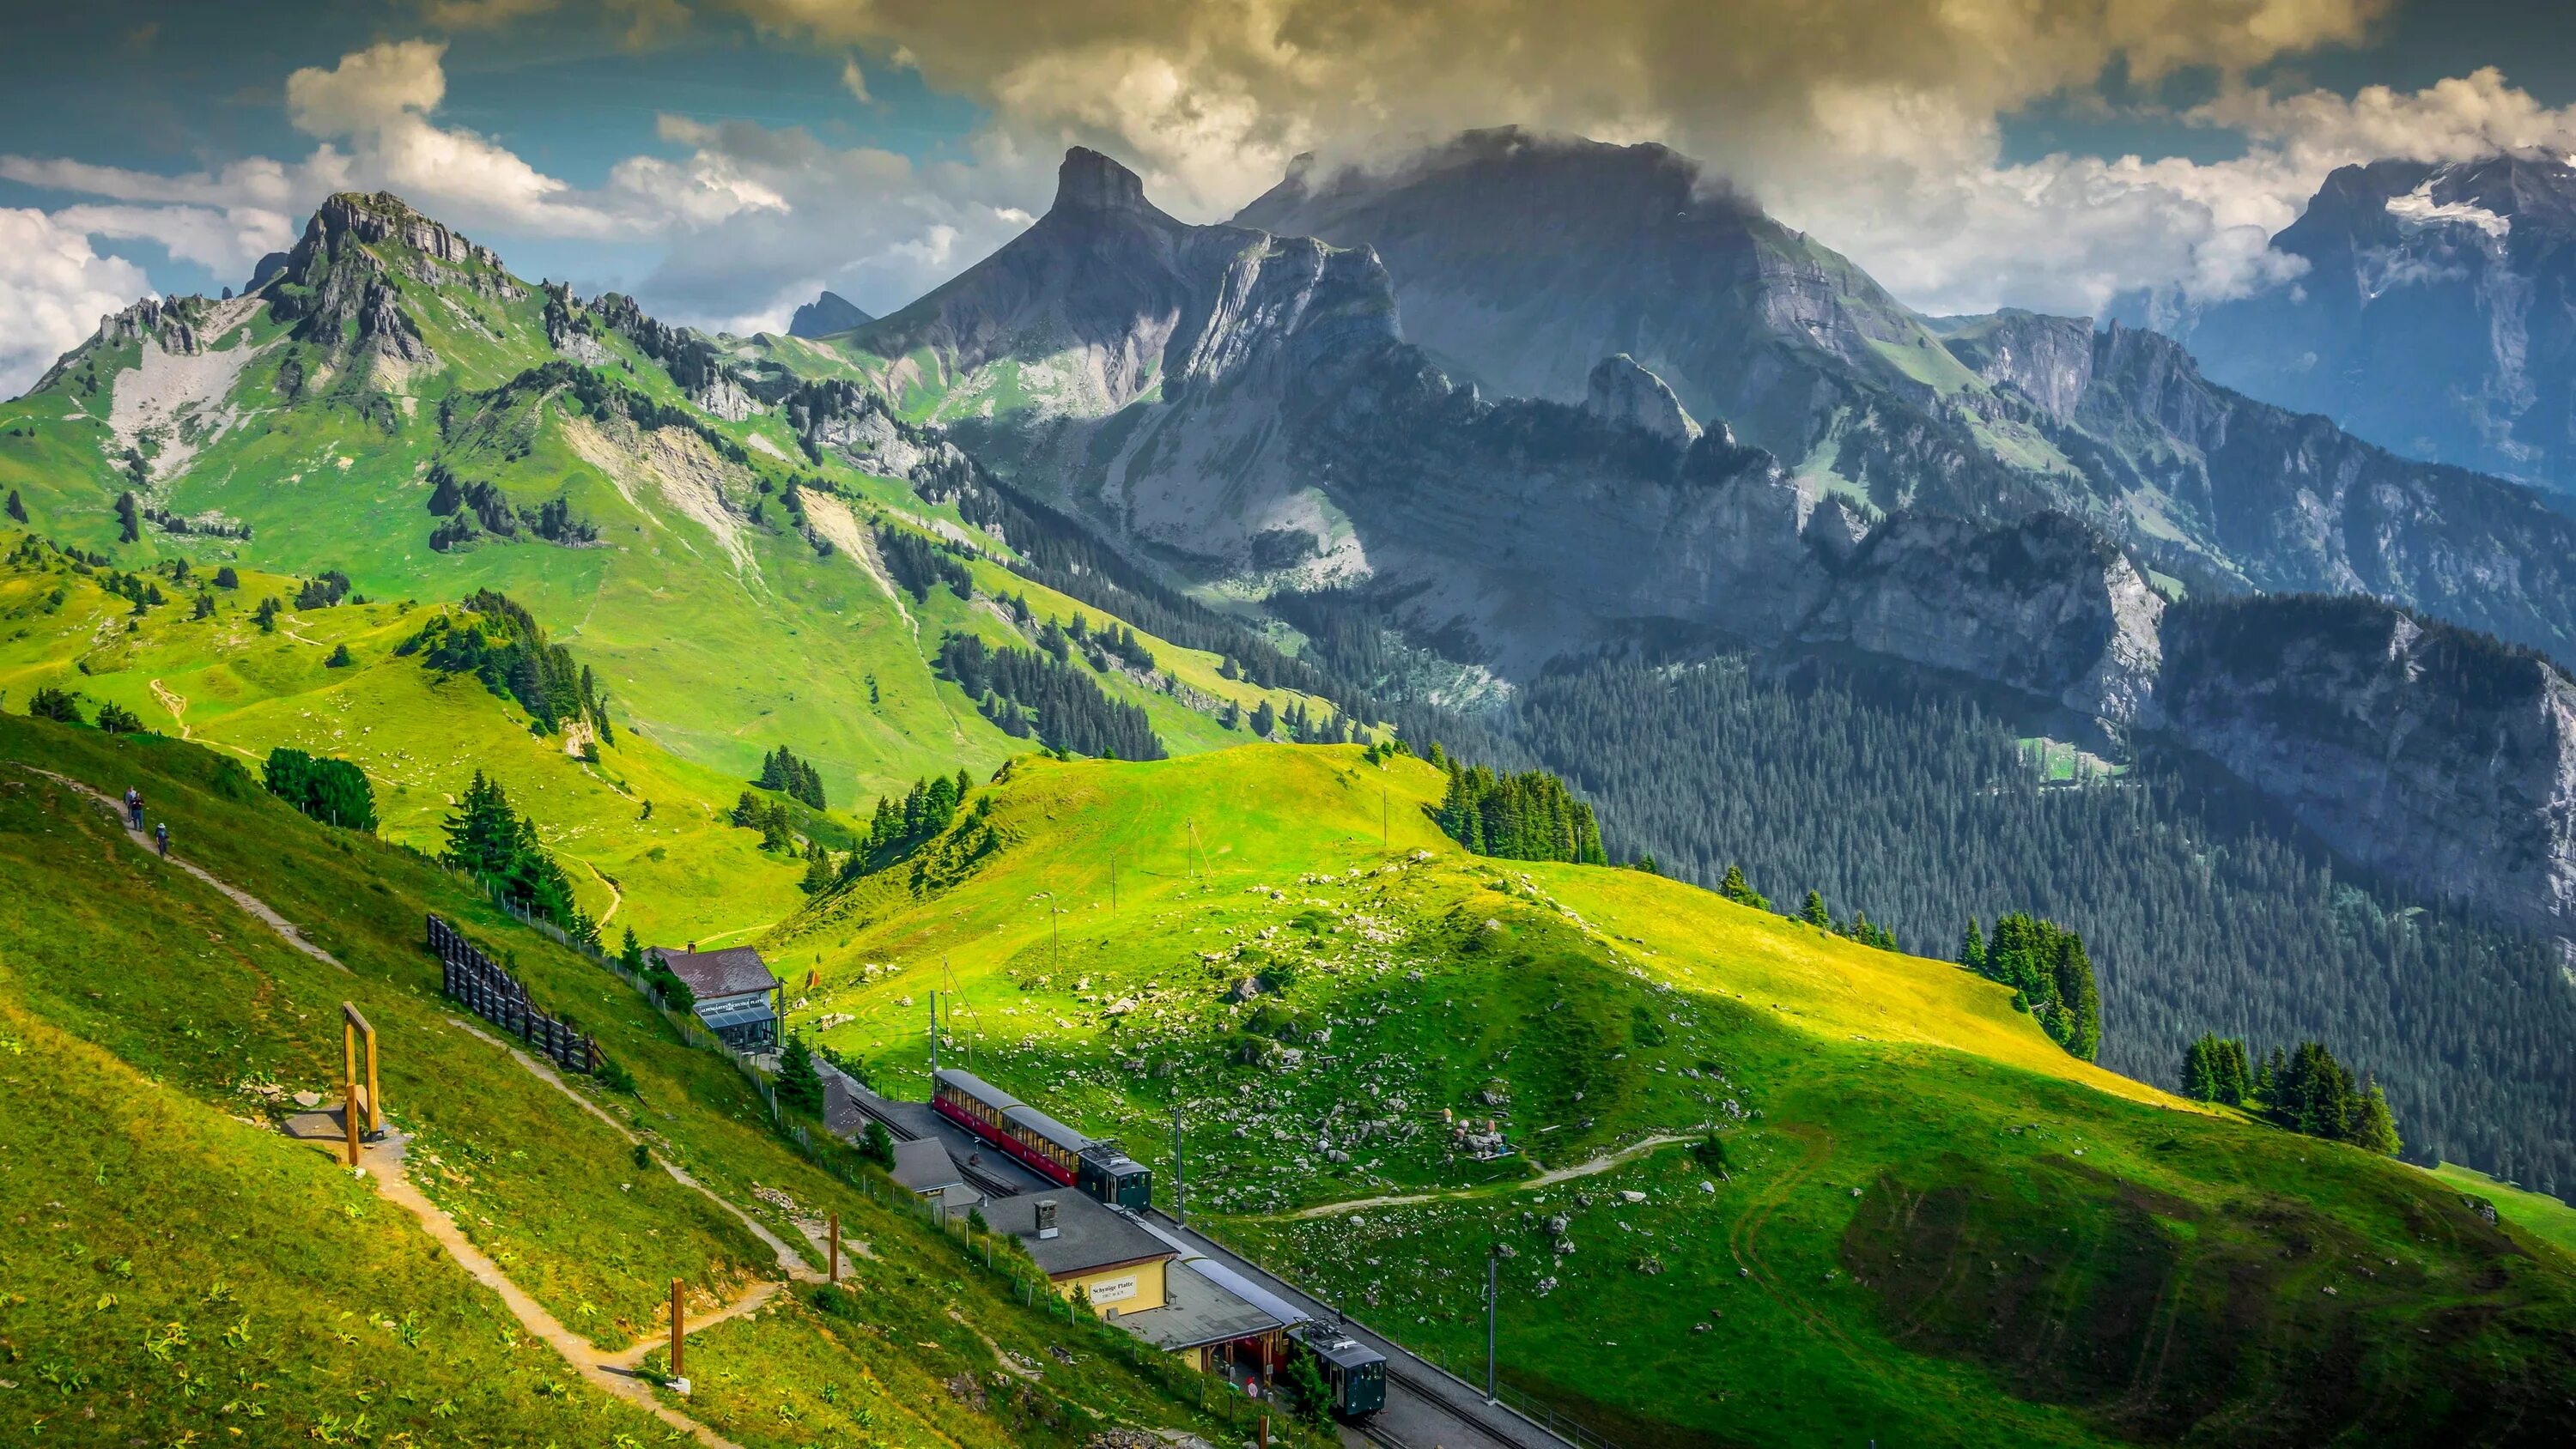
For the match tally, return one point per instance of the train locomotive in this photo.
(1093, 1166)
(1354, 1374)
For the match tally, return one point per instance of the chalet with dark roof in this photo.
(737, 997)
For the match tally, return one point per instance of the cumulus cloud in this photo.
(53, 290)
(1211, 97)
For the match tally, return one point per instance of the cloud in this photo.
(864, 222)
(379, 100)
(1211, 97)
(225, 241)
(53, 290)
(854, 80)
(480, 14)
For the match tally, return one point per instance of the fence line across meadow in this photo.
(485, 988)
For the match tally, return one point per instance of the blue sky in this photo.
(724, 159)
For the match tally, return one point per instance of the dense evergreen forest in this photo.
(2051, 977)
(797, 779)
(1528, 816)
(1025, 692)
(2200, 916)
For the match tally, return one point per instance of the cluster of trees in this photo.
(919, 565)
(2194, 905)
(1296, 724)
(2051, 977)
(498, 846)
(1527, 816)
(775, 822)
(502, 644)
(323, 592)
(2304, 1090)
(924, 811)
(63, 707)
(796, 779)
(333, 791)
(463, 505)
(1025, 692)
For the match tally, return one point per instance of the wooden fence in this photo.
(484, 988)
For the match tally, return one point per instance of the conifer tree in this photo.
(630, 952)
(17, 509)
(800, 1086)
(1814, 912)
(2374, 1126)
(1972, 948)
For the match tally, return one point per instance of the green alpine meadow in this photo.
(818, 726)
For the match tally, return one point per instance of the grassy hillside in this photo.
(721, 621)
(1932, 1225)
(176, 1267)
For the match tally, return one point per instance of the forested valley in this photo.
(1922, 808)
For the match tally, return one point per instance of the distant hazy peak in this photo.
(825, 315)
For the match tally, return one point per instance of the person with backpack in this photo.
(134, 807)
(161, 833)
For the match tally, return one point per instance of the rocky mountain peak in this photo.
(825, 315)
(1089, 181)
(382, 217)
(1625, 394)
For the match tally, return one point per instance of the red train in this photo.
(1094, 1166)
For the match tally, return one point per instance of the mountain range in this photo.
(1726, 440)
(2434, 313)
(1524, 453)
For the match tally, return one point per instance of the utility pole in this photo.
(934, 1030)
(836, 1250)
(1180, 1202)
(1193, 823)
(1493, 1260)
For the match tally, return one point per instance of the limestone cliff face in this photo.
(171, 324)
(2419, 748)
(2046, 606)
(2046, 359)
(1626, 395)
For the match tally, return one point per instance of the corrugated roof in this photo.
(1227, 1278)
(729, 972)
(1196, 1311)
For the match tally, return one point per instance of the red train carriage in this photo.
(1046, 1146)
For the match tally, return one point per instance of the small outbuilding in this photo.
(1081, 1245)
(737, 997)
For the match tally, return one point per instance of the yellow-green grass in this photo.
(114, 948)
(2536, 1213)
(175, 1273)
(2169, 1267)
(683, 874)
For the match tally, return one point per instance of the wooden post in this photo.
(679, 1326)
(1265, 1429)
(836, 1248)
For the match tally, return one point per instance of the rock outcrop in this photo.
(1624, 394)
(2419, 748)
(2046, 606)
(825, 315)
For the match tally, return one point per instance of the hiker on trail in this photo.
(161, 832)
(134, 806)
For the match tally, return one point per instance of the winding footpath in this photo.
(1596, 1166)
(613, 1371)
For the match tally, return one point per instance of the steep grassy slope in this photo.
(174, 1266)
(1932, 1227)
(721, 620)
